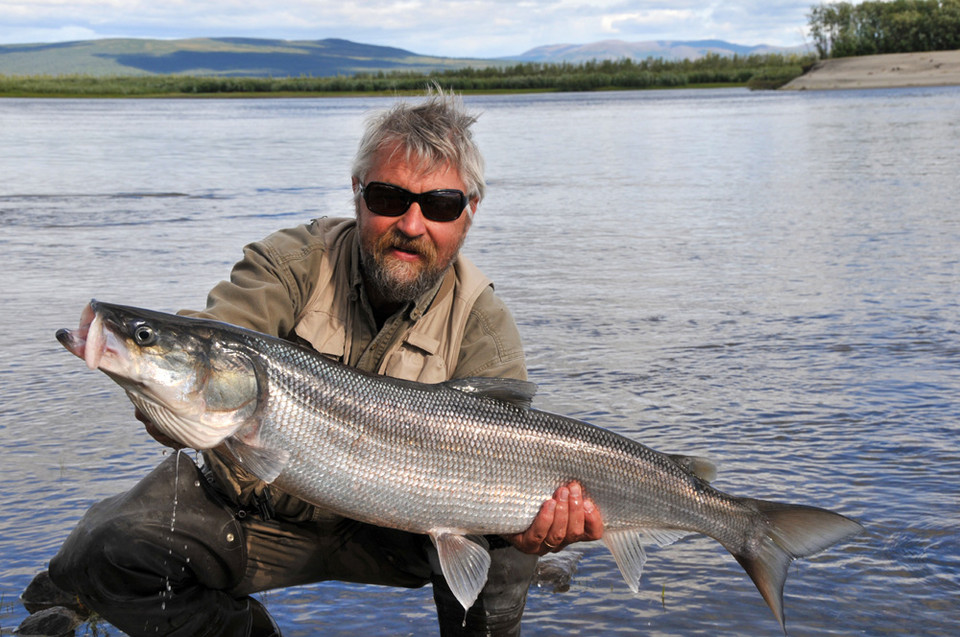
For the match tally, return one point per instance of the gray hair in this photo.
(432, 133)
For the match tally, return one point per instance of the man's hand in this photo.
(155, 433)
(566, 518)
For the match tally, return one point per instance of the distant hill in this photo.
(250, 57)
(223, 57)
(666, 49)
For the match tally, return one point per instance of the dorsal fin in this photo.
(516, 392)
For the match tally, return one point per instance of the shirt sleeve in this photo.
(491, 344)
(265, 292)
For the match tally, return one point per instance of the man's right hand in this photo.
(155, 433)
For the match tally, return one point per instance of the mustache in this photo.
(398, 240)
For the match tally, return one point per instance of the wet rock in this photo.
(42, 594)
(50, 622)
(555, 570)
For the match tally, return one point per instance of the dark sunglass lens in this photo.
(443, 206)
(393, 201)
(384, 200)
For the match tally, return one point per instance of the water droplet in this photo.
(176, 491)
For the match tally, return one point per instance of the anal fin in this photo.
(626, 545)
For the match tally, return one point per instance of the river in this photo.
(768, 279)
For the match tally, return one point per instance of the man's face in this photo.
(405, 256)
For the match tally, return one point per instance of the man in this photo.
(387, 292)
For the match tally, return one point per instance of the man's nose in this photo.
(412, 222)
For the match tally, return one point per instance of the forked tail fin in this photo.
(790, 531)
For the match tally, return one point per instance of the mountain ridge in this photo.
(666, 49)
(265, 57)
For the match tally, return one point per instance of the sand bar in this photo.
(894, 70)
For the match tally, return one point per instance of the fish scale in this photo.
(450, 462)
(453, 460)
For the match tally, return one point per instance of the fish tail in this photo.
(785, 533)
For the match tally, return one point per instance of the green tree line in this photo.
(901, 26)
(756, 71)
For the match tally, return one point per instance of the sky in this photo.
(449, 28)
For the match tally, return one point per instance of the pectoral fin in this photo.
(262, 462)
(464, 564)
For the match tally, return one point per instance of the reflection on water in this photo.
(769, 280)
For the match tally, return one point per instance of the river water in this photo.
(767, 279)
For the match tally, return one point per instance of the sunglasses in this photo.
(393, 201)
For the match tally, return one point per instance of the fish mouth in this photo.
(88, 341)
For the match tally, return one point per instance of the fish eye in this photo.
(144, 335)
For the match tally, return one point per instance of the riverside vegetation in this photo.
(843, 29)
(754, 71)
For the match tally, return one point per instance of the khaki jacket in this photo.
(304, 284)
(426, 351)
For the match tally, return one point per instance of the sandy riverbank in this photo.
(935, 68)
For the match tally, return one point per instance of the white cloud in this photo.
(66, 33)
(655, 18)
(463, 28)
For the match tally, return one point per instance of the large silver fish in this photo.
(452, 460)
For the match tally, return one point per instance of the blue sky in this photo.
(455, 28)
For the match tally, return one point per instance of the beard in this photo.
(397, 281)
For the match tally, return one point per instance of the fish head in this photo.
(196, 385)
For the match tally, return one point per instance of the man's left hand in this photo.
(566, 518)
